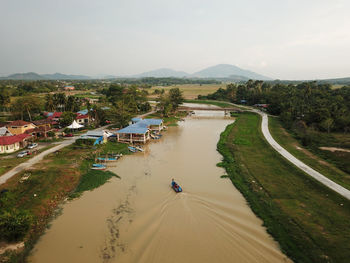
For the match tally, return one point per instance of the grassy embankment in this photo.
(171, 120)
(309, 221)
(59, 175)
(323, 166)
(210, 102)
(190, 91)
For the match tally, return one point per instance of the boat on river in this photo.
(107, 159)
(156, 137)
(132, 149)
(177, 188)
(98, 166)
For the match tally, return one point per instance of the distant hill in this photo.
(162, 73)
(25, 76)
(63, 76)
(35, 76)
(228, 71)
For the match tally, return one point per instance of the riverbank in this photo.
(141, 219)
(37, 192)
(294, 207)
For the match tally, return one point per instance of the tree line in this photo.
(309, 105)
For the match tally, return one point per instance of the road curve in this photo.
(316, 175)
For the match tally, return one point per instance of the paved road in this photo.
(307, 169)
(316, 175)
(39, 157)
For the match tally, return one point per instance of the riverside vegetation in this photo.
(309, 221)
(31, 197)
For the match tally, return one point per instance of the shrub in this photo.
(14, 224)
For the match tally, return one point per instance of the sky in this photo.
(282, 39)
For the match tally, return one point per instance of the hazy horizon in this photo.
(279, 39)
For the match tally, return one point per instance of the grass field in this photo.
(190, 91)
(309, 221)
(6, 164)
(287, 141)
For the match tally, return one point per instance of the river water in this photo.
(139, 218)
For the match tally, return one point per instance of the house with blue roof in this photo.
(139, 131)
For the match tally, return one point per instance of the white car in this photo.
(33, 145)
(22, 154)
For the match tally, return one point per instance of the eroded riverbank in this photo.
(140, 219)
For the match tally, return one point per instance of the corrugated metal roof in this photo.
(133, 129)
(140, 127)
(83, 112)
(136, 119)
(153, 121)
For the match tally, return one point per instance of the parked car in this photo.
(68, 135)
(33, 145)
(23, 153)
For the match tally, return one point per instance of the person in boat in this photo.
(175, 185)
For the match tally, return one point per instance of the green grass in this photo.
(6, 164)
(190, 91)
(287, 141)
(309, 221)
(114, 147)
(93, 179)
(171, 120)
(211, 102)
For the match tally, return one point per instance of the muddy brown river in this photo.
(139, 218)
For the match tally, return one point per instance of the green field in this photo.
(288, 142)
(190, 91)
(309, 221)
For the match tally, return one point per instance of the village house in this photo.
(54, 116)
(69, 88)
(99, 136)
(139, 130)
(43, 127)
(83, 119)
(9, 144)
(20, 127)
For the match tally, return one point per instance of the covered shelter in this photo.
(75, 125)
(133, 133)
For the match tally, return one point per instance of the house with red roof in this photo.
(83, 119)
(9, 144)
(69, 87)
(55, 116)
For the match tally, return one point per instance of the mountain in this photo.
(162, 73)
(25, 76)
(35, 76)
(63, 76)
(227, 71)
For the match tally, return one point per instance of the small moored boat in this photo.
(98, 166)
(132, 149)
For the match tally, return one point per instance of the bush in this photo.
(14, 224)
(50, 134)
(85, 142)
